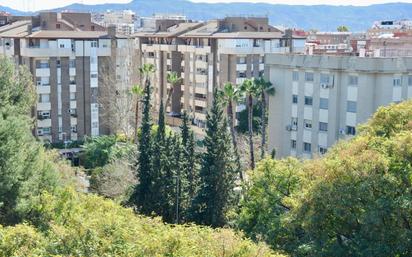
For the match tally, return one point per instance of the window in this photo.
(295, 76)
(41, 115)
(61, 45)
(293, 144)
(307, 124)
(397, 82)
(323, 103)
(93, 75)
(295, 99)
(261, 59)
(351, 106)
(73, 112)
(72, 80)
(322, 149)
(353, 80)
(323, 126)
(93, 44)
(151, 54)
(241, 60)
(95, 124)
(307, 147)
(72, 63)
(241, 74)
(308, 100)
(324, 78)
(350, 130)
(74, 129)
(72, 96)
(410, 80)
(44, 98)
(309, 76)
(57, 25)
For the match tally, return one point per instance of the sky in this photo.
(35, 5)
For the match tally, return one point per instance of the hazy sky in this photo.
(34, 5)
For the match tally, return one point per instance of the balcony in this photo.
(46, 52)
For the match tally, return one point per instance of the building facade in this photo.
(322, 99)
(65, 62)
(207, 55)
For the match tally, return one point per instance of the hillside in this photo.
(322, 17)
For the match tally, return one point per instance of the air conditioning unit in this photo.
(40, 132)
(342, 132)
(38, 83)
(324, 85)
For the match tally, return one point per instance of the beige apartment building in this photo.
(322, 99)
(207, 55)
(65, 53)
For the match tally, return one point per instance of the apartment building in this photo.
(322, 99)
(65, 61)
(381, 28)
(207, 55)
(123, 20)
(331, 43)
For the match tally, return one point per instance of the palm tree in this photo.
(265, 88)
(228, 95)
(174, 81)
(250, 88)
(137, 90)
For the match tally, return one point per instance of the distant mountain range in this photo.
(322, 17)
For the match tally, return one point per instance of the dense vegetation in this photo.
(42, 212)
(355, 201)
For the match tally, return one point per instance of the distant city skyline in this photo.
(36, 5)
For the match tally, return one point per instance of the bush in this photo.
(73, 224)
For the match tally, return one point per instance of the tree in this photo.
(174, 81)
(342, 28)
(354, 201)
(250, 88)
(229, 95)
(17, 92)
(189, 170)
(137, 91)
(142, 193)
(265, 89)
(217, 174)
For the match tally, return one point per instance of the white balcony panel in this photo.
(307, 135)
(200, 103)
(294, 110)
(323, 138)
(293, 135)
(44, 123)
(324, 93)
(73, 104)
(241, 67)
(308, 113)
(72, 71)
(43, 90)
(351, 119)
(308, 89)
(397, 94)
(43, 72)
(295, 88)
(323, 115)
(72, 88)
(43, 106)
(352, 94)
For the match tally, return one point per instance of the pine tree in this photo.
(141, 197)
(189, 171)
(218, 172)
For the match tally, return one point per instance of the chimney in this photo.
(111, 30)
(29, 28)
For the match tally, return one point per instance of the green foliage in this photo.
(342, 28)
(353, 202)
(114, 180)
(72, 224)
(99, 151)
(189, 168)
(217, 175)
(242, 126)
(17, 93)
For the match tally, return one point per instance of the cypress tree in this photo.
(189, 170)
(218, 172)
(143, 191)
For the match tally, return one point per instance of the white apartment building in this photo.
(123, 20)
(321, 99)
